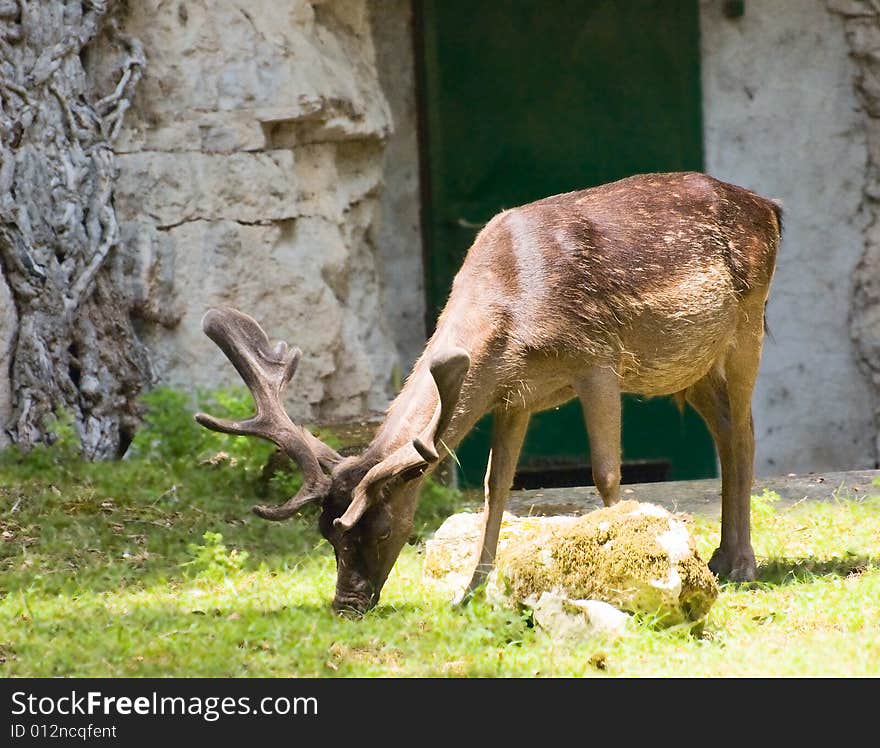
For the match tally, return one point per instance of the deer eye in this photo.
(382, 525)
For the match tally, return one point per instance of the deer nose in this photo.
(355, 594)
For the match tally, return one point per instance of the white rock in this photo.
(564, 618)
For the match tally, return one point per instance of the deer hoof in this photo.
(734, 566)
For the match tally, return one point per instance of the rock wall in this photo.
(781, 116)
(251, 164)
(862, 25)
(8, 327)
(398, 233)
(270, 162)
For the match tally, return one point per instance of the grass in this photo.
(154, 566)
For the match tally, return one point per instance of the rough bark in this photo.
(75, 348)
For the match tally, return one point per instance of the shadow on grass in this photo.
(82, 539)
(783, 571)
(395, 609)
(120, 577)
(118, 526)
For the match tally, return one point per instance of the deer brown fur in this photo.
(655, 284)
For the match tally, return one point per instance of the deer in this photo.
(655, 284)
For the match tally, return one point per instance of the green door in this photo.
(529, 98)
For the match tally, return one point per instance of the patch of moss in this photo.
(616, 555)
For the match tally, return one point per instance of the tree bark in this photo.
(75, 349)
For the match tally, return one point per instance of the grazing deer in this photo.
(655, 284)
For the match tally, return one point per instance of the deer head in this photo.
(367, 501)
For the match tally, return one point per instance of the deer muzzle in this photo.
(355, 599)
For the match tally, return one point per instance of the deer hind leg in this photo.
(599, 393)
(709, 398)
(724, 402)
(508, 433)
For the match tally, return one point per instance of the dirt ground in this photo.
(694, 496)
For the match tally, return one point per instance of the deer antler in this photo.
(266, 370)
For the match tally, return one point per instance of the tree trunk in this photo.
(75, 349)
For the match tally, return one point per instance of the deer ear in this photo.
(448, 370)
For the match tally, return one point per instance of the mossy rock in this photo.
(636, 556)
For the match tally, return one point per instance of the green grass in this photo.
(154, 566)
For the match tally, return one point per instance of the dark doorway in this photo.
(524, 99)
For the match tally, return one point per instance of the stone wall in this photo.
(398, 232)
(8, 326)
(862, 25)
(270, 162)
(781, 116)
(251, 165)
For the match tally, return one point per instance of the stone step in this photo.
(695, 496)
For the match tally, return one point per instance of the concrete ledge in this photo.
(697, 496)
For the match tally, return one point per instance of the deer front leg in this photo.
(508, 433)
(599, 393)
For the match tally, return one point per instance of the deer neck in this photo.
(408, 413)
(412, 409)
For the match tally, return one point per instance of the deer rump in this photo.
(655, 285)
